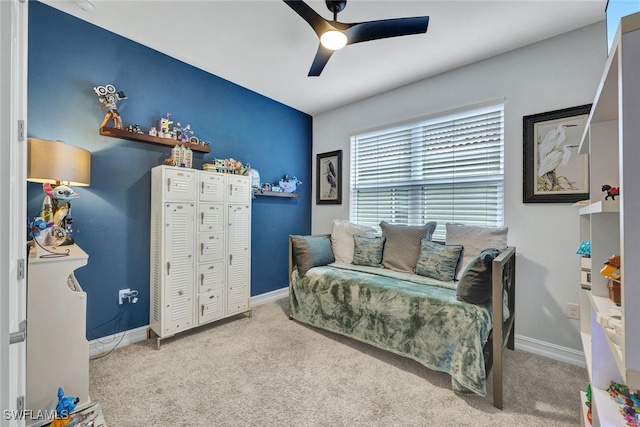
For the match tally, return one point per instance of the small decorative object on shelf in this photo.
(181, 156)
(611, 271)
(134, 128)
(629, 402)
(584, 249)
(289, 184)
(230, 166)
(611, 191)
(588, 404)
(108, 96)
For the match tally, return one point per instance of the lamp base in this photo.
(67, 241)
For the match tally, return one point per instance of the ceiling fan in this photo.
(335, 35)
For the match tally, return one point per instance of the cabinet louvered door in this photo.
(238, 262)
(211, 217)
(210, 247)
(239, 189)
(210, 306)
(211, 276)
(179, 184)
(179, 267)
(211, 187)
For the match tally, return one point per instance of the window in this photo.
(445, 169)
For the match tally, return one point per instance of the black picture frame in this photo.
(329, 178)
(551, 143)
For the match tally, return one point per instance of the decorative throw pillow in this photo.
(473, 240)
(475, 282)
(311, 251)
(403, 244)
(367, 250)
(438, 261)
(342, 232)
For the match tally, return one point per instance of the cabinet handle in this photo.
(231, 189)
(230, 259)
(202, 186)
(201, 248)
(168, 267)
(202, 309)
(168, 185)
(201, 217)
(201, 279)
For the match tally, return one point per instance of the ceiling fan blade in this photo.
(321, 59)
(317, 22)
(374, 30)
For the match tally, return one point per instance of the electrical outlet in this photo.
(122, 294)
(573, 311)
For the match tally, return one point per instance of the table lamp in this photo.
(58, 166)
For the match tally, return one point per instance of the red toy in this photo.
(611, 191)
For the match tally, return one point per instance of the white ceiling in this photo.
(266, 47)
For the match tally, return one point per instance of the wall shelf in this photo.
(141, 137)
(275, 194)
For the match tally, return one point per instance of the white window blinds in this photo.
(444, 169)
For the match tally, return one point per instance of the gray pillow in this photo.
(367, 250)
(311, 251)
(473, 240)
(475, 282)
(402, 247)
(438, 261)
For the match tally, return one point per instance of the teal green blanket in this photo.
(406, 314)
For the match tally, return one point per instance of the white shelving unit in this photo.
(612, 140)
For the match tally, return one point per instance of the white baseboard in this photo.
(552, 351)
(105, 344)
(270, 296)
(132, 336)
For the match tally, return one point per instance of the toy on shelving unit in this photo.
(108, 96)
(230, 166)
(164, 124)
(289, 184)
(611, 271)
(611, 191)
(584, 249)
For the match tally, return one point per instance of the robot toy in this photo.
(109, 98)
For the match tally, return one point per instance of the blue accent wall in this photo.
(67, 58)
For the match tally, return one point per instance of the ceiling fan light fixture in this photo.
(333, 40)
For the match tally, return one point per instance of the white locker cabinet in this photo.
(57, 346)
(200, 248)
(238, 249)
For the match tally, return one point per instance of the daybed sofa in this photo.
(408, 309)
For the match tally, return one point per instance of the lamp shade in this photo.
(56, 162)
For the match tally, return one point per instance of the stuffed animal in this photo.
(66, 405)
(62, 192)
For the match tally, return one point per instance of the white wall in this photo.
(553, 74)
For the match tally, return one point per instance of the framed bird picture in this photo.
(554, 171)
(329, 178)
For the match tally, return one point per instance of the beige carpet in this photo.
(272, 371)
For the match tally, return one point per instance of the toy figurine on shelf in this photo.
(165, 122)
(289, 184)
(611, 191)
(153, 131)
(108, 96)
(611, 271)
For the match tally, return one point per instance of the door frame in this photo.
(13, 108)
